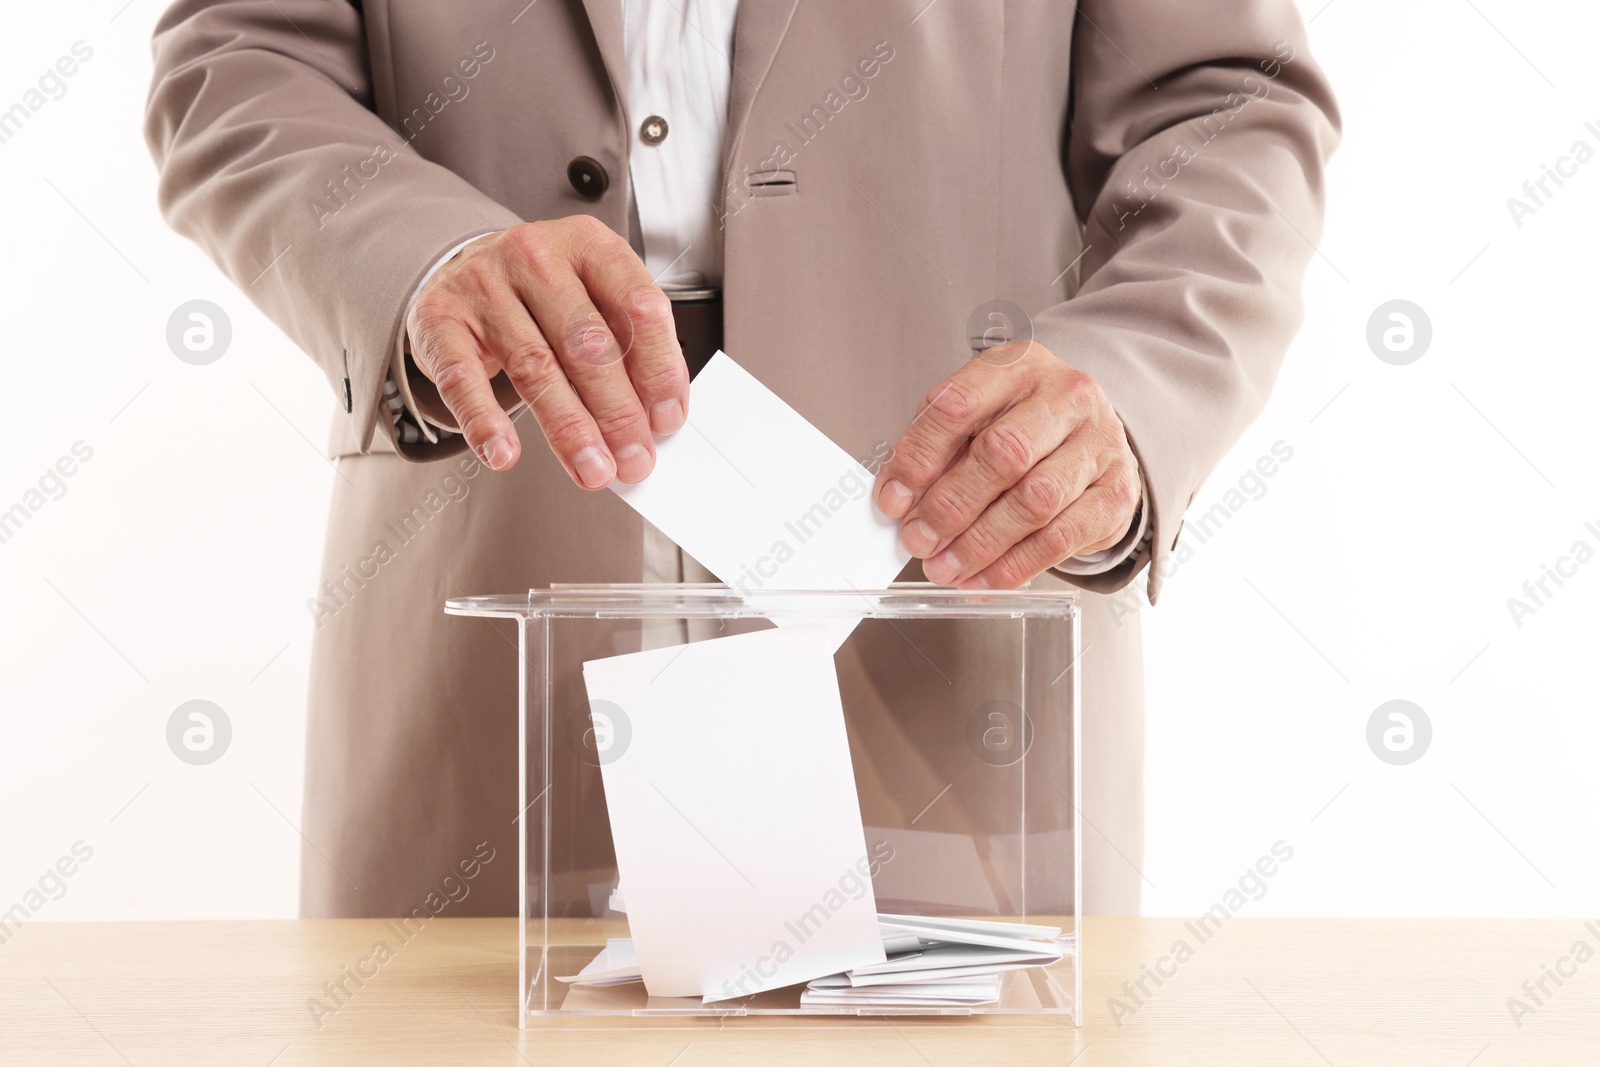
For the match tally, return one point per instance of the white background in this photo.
(1376, 566)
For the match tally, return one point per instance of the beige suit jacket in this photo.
(1144, 177)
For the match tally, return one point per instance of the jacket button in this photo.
(588, 177)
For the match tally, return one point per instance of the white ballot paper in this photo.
(947, 969)
(762, 498)
(734, 814)
(615, 965)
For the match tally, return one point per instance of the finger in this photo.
(955, 410)
(446, 350)
(1114, 537)
(516, 341)
(587, 349)
(1044, 492)
(995, 460)
(641, 317)
(1086, 521)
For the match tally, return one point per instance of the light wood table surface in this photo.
(1260, 991)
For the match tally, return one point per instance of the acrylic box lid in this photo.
(901, 600)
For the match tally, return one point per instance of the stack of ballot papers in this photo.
(940, 962)
(930, 962)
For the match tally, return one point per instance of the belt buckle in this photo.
(700, 294)
(697, 318)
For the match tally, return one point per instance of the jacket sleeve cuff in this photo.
(399, 400)
(423, 427)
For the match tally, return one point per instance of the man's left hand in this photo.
(1015, 463)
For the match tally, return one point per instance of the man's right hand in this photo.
(569, 312)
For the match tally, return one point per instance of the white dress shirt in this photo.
(679, 71)
(679, 74)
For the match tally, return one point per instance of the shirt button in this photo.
(587, 176)
(653, 130)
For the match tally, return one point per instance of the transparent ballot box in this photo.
(960, 710)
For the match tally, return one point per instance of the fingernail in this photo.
(894, 499)
(633, 463)
(942, 569)
(497, 452)
(919, 538)
(593, 470)
(666, 416)
(977, 581)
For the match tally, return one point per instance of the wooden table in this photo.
(1260, 991)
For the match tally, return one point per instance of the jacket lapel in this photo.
(757, 32)
(605, 18)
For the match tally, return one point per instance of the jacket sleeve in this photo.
(1195, 154)
(272, 159)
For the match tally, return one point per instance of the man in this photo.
(464, 212)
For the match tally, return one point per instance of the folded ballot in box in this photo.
(766, 803)
(935, 962)
(930, 963)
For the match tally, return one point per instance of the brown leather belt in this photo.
(698, 316)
